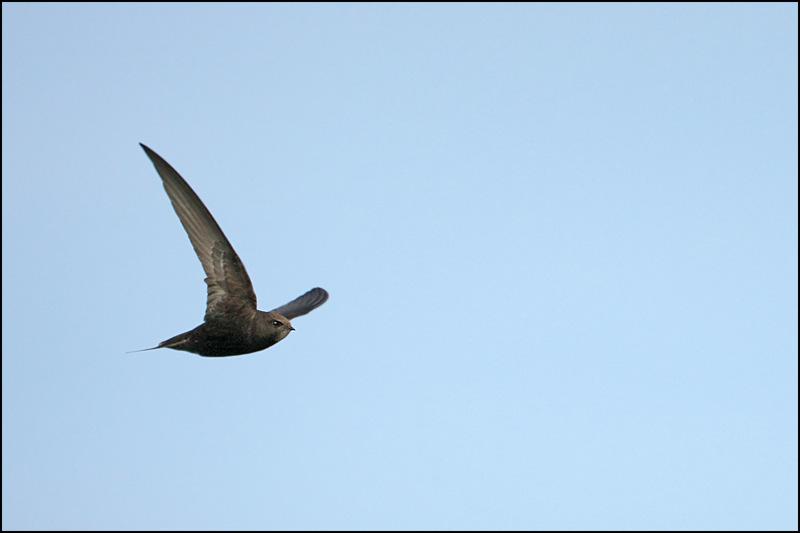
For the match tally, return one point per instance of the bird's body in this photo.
(237, 336)
(232, 324)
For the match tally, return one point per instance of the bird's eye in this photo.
(276, 323)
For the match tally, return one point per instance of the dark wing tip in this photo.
(322, 294)
(316, 297)
(303, 304)
(150, 152)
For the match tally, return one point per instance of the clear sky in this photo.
(560, 242)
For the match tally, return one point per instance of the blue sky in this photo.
(560, 242)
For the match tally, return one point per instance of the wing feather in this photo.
(229, 286)
(303, 304)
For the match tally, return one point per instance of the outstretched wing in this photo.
(303, 304)
(229, 286)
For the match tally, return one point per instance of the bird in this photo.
(232, 324)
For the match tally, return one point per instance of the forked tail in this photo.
(146, 349)
(177, 342)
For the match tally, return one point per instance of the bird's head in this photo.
(278, 325)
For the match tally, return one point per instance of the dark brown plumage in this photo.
(232, 325)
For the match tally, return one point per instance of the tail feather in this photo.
(146, 349)
(175, 342)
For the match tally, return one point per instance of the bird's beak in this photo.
(291, 328)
